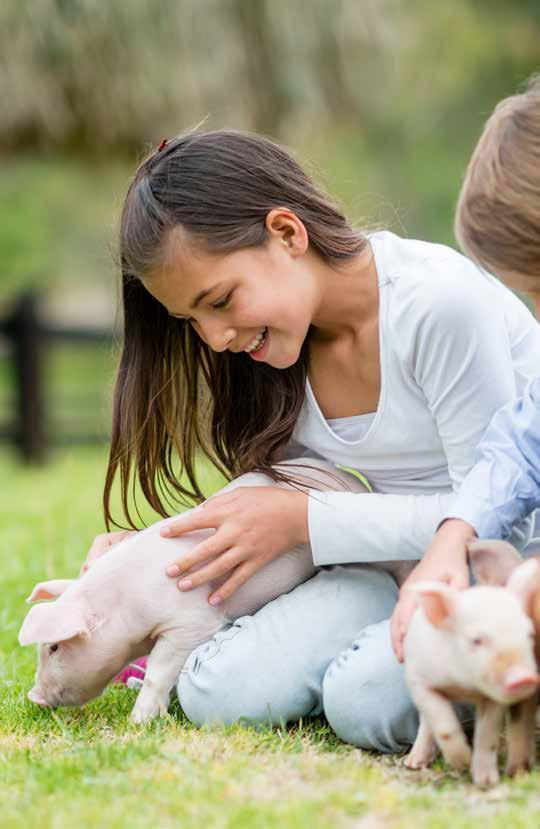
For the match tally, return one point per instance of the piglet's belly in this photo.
(279, 576)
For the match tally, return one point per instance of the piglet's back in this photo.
(132, 574)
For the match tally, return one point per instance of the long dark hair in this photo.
(174, 396)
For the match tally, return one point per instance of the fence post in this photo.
(25, 333)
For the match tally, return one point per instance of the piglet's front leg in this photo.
(487, 727)
(165, 662)
(521, 736)
(424, 749)
(440, 717)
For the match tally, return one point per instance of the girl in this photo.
(260, 325)
(498, 223)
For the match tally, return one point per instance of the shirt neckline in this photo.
(376, 247)
(357, 418)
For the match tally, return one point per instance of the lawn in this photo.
(90, 767)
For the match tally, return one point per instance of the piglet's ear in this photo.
(525, 583)
(49, 589)
(437, 600)
(54, 622)
(492, 560)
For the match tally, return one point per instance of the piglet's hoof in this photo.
(146, 709)
(458, 755)
(485, 774)
(419, 760)
(516, 767)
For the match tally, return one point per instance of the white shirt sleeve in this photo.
(456, 347)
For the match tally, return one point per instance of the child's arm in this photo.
(445, 560)
(504, 485)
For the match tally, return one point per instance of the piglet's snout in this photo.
(521, 681)
(36, 695)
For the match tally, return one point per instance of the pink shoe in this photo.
(133, 674)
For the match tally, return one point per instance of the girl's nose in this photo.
(218, 337)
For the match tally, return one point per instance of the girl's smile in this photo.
(259, 347)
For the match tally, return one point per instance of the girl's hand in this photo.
(101, 544)
(253, 526)
(445, 560)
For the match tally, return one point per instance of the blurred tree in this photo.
(79, 74)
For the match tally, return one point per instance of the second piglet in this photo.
(493, 562)
(473, 645)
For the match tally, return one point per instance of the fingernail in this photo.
(214, 600)
(173, 570)
(185, 584)
(165, 531)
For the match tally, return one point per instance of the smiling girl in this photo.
(260, 325)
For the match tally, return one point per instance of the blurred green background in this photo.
(382, 99)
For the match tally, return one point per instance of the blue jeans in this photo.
(280, 664)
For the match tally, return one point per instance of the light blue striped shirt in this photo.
(504, 484)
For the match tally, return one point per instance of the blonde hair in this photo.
(498, 212)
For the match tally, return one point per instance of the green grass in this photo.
(91, 767)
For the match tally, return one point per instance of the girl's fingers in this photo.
(239, 577)
(211, 548)
(400, 624)
(205, 519)
(393, 630)
(406, 615)
(218, 567)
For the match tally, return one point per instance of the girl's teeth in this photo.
(256, 343)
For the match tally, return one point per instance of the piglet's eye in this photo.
(53, 648)
(478, 641)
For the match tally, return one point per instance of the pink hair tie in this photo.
(163, 145)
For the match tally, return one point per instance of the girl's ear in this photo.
(492, 560)
(437, 600)
(288, 229)
(49, 589)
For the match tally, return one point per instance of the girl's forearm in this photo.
(348, 528)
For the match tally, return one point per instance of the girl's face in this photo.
(232, 299)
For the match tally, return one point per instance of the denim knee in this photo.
(365, 697)
(217, 690)
(269, 667)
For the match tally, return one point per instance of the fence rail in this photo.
(28, 337)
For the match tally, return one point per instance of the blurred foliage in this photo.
(58, 219)
(386, 97)
(93, 76)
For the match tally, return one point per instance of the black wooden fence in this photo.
(27, 339)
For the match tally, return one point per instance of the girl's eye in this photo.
(223, 302)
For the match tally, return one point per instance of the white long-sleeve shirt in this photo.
(456, 345)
